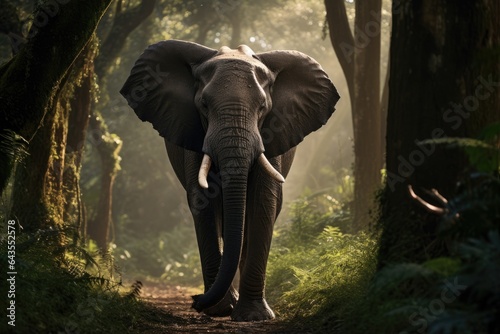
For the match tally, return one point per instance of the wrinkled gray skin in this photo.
(232, 105)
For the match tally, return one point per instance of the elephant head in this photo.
(236, 107)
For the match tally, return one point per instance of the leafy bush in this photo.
(442, 295)
(328, 279)
(62, 288)
(459, 293)
(341, 266)
(309, 216)
(316, 270)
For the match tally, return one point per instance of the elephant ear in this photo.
(161, 90)
(303, 98)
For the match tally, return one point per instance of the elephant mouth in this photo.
(262, 160)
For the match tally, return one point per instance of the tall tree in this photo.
(30, 81)
(359, 57)
(108, 145)
(444, 82)
(46, 187)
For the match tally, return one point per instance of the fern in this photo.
(135, 290)
(13, 145)
(63, 287)
(483, 152)
(409, 290)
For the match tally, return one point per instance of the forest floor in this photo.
(179, 317)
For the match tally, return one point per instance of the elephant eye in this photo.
(204, 103)
(263, 106)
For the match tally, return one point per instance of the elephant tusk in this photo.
(204, 169)
(270, 169)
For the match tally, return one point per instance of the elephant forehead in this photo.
(243, 53)
(227, 64)
(242, 50)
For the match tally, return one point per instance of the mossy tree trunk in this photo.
(46, 187)
(108, 146)
(78, 121)
(444, 82)
(29, 81)
(359, 57)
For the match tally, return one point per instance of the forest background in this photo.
(94, 189)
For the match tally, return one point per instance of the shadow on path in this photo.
(175, 315)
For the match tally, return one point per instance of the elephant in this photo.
(231, 120)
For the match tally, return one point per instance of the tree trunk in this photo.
(234, 17)
(366, 110)
(342, 40)
(384, 105)
(444, 81)
(42, 193)
(29, 81)
(124, 23)
(108, 146)
(78, 121)
(359, 57)
(203, 29)
(36, 204)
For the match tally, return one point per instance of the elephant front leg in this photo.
(263, 206)
(206, 221)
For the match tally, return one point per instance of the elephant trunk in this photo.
(234, 175)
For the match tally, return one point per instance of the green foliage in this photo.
(61, 287)
(310, 215)
(444, 266)
(458, 293)
(475, 202)
(13, 145)
(12, 150)
(171, 256)
(483, 152)
(442, 295)
(475, 210)
(316, 270)
(339, 274)
(329, 280)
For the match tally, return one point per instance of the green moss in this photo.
(444, 266)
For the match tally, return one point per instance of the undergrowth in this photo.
(62, 288)
(318, 271)
(457, 293)
(325, 279)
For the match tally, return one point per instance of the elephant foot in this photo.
(225, 307)
(252, 310)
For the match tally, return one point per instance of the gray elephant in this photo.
(231, 120)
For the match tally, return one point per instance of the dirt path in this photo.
(177, 302)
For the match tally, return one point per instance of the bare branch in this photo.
(427, 205)
(341, 38)
(438, 195)
(125, 22)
